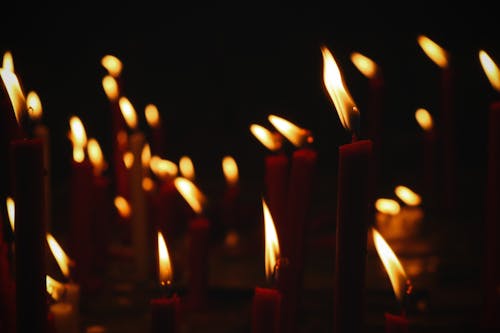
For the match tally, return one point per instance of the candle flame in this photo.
(194, 197)
(54, 288)
(96, 156)
(63, 260)
(123, 207)
(128, 112)
(296, 135)
(110, 87)
(365, 65)
(163, 168)
(407, 195)
(435, 52)
(11, 212)
(34, 105)
(230, 169)
(8, 61)
(340, 96)
(78, 137)
(148, 184)
(112, 64)
(387, 206)
(128, 159)
(164, 264)
(272, 251)
(424, 119)
(270, 140)
(152, 115)
(186, 168)
(490, 69)
(392, 265)
(15, 92)
(146, 155)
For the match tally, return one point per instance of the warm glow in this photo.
(387, 206)
(15, 92)
(230, 169)
(110, 87)
(122, 138)
(165, 272)
(128, 159)
(424, 119)
(490, 69)
(407, 196)
(194, 197)
(296, 135)
(148, 184)
(364, 64)
(96, 156)
(54, 288)
(433, 51)
(61, 257)
(128, 112)
(78, 137)
(266, 137)
(272, 251)
(11, 212)
(186, 168)
(392, 265)
(146, 155)
(163, 168)
(123, 207)
(34, 105)
(152, 115)
(8, 62)
(342, 100)
(112, 64)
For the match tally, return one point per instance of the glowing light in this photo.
(296, 135)
(435, 52)
(193, 196)
(267, 138)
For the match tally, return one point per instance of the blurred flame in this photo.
(387, 206)
(63, 261)
(123, 207)
(164, 264)
(112, 64)
(122, 139)
(230, 169)
(163, 168)
(34, 105)
(266, 137)
(296, 135)
(8, 61)
(15, 92)
(186, 168)
(194, 197)
(435, 52)
(11, 212)
(128, 112)
(110, 87)
(146, 155)
(364, 64)
(148, 184)
(424, 119)
(152, 115)
(490, 69)
(78, 137)
(272, 252)
(407, 195)
(392, 265)
(96, 156)
(54, 288)
(128, 159)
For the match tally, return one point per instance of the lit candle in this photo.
(426, 122)
(354, 206)
(157, 131)
(63, 312)
(230, 209)
(7, 282)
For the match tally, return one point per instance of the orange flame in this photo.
(490, 69)
(152, 115)
(272, 251)
(8, 61)
(194, 197)
(34, 105)
(146, 155)
(96, 156)
(123, 207)
(128, 112)
(112, 64)
(11, 212)
(435, 52)
(78, 137)
(110, 87)
(296, 135)
(230, 169)
(365, 65)
(186, 167)
(165, 271)
(163, 168)
(387, 206)
(63, 260)
(128, 159)
(148, 184)
(271, 141)
(15, 92)
(54, 288)
(424, 119)
(407, 195)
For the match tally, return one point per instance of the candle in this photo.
(354, 207)
(157, 131)
(7, 289)
(165, 310)
(64, 313)
(424, 119)
(230, 209)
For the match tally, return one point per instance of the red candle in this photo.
(276, 186)
(395, 323)
(7, 290)
(230, 199)
(425, 121)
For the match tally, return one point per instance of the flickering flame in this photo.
(296, 135)
(34, 105)
(128, 112)
(165, 271)
(272, 251)
(163, 168)
(146, 155)
(340, 96)
(490, 69)
(230, 169)
(267, 138)
(392, 265)
(123, 207)
(11, 212)
(407, 195)
(54, 288)
(387, 206)
(186, 168)
(15, 92)
(8, 62)
(96, 156)
(110, 87)
(364, 64)
(62, 259)
(194, 197)
(435, 52)
(128, 159)
(152, 115)
(424, 119)
(78, 137)
(148, 184)
(112, 64)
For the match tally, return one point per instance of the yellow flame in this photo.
(110, 87)
(424, 119)
(194, 197)
(15, 92)
(11, 212)
(387, 206)
(54, 288)
(407, 195)
(152, 115)
(296, 135)
(128, 112)
(34, 105)
(392, 265)
(272, 251)
(332, 79)
(230, 169)
(186, 168)
(163, 168)
(266, 137)
(364, 64)
(63, 260)
(78, 137)
(165, 271)
(435, 52)
(8, 61)
(96, 156)
(148, 184)
(128, 159)
(490, 69)
(112, 64)
(146, 155)
(123, 207)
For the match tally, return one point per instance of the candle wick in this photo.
(281, 263)
(166, 288)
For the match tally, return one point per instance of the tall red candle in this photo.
(428, 178)
(395, 323)
(7, 290)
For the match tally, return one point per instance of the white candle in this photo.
(64, 317)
